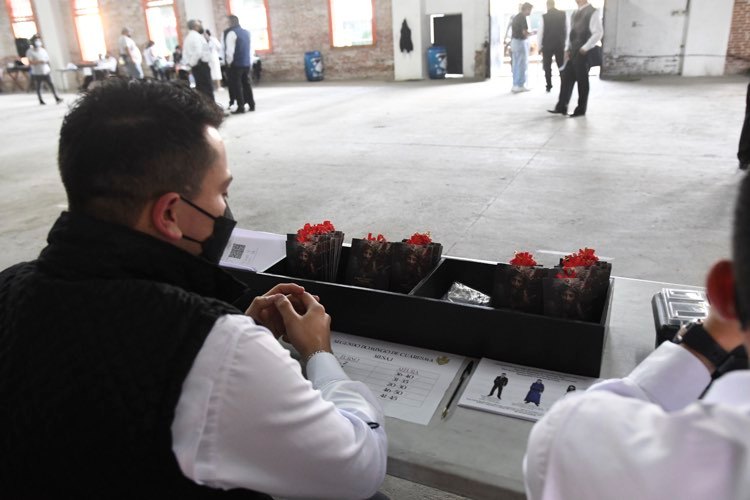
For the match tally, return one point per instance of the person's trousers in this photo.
(576, 72)
(240, 88)
(743, 152)
(547, 55)
(202, 76)
(519, 52)
(39, 79)
(134, 70)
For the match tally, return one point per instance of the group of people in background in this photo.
(201, 56)
(569, 45)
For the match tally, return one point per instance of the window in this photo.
(253, 16)
(89, 29)
(22, 18)
(352, 22)
(162, 26)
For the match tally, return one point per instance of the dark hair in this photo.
(233, 20)
(741, 251)
(125, 143)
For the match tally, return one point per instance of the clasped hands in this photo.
(288, 311)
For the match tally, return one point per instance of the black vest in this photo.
(554, 30)
(579, 28)
(96, 339)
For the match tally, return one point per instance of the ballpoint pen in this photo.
(465, 374)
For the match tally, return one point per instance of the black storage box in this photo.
(422, 319)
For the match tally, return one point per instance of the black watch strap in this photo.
(697, 338)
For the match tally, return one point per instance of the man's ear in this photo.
(165, 217)
(721, 290)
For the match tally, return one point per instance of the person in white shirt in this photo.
(585, 32)
(654, 434)
(128, 372)
(131, 54)
(216, 58)
(40, 70)
(153, 61)
(196, 53)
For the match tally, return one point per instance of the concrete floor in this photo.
(647, 178)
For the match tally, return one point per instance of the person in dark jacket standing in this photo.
(585, 32)
(238, 52)
(127, 368)
(551, 38)
(743, 151)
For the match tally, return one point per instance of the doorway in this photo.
(446, 31)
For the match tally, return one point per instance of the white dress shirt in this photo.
(195, 49)
(646, 436)
(42, 66)
(595, 27)
(247, 418)
(128, 47)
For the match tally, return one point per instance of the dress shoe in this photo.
(576, 114)
(42, 102)
(59, 101)
(548, 89)
(557, 111)
(238, 112)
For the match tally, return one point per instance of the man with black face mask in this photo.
(125, 370)
(658, 433)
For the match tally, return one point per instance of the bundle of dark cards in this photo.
(369, 263)
(412, 260)
(314, 252)
(577, 289)
(518, 287)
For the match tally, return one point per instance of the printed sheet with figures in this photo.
(409, 382)
(518, 391)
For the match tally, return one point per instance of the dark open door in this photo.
(447, 31)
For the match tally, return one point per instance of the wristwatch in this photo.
(697, 338)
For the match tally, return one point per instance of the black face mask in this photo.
(213, 246)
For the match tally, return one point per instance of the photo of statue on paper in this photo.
(500, 382)
(413, 259)
(369, 263)
(518, 288)
(535, 393)
(304, 260)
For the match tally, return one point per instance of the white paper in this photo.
(253, 250)
(409, 382)
(518, 398)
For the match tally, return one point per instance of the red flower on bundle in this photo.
(567, 273)
(380, 238)
(420, 239)
(523, 259)
(585, 257)
(308, 230)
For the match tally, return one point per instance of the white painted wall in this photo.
(50, 23)
(412, 65)
(646, 37)
(202, 10)
(709, 23)
(475, 25)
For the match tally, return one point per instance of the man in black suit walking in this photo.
(551, 38)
